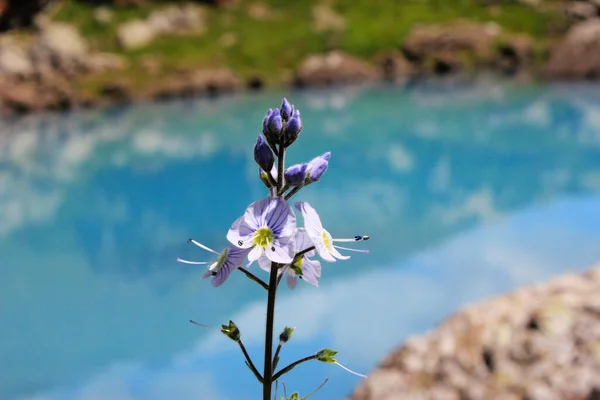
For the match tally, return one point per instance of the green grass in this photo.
(274, 47)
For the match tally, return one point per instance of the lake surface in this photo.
(466, 191)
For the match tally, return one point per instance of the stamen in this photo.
(357, 238)
(205, 326)
(349, 249)
(349, 370)
(191, 262)
(202, 246)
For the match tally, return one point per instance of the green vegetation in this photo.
(272, 45)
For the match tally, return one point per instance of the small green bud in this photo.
(231, 331)
(295, 396)
(286, 334)
(326, 355)
(265, 179)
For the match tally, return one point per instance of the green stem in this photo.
(268, 367)
(254, 278)
(293, 365)
(250, 363)
(280, 168)
(292, 192)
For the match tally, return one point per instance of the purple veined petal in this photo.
(264, 263)
(312, 222)
(291, 279)
(256, 212)
(311, 271)
(233, 260)
(222, 275)
(207, 274)
(280, 218)
(281, 253)
(240, 233)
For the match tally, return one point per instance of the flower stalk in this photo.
(249, 362)
(268, 377)
(294, 365)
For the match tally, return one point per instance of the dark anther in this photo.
(366, 237)
(240, 243)
(358, 238)
(190, 240)
(213, 273)
(272, 248)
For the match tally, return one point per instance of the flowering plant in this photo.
(268, 233)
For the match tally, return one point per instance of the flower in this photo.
(263, 154)
(295, 174)
(322, 239)
(228, 260)
(317, 167)
(267, 227)
(309, 270)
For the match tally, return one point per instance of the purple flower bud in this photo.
(275, 124)
(263, 154)
(286, 109)
(295, 174)
(266, 121)
(317, 167)
(326, 156)
(293, 128)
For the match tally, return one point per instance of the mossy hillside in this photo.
(273, 46)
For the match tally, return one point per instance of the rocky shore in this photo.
(54, 66)
(540, 342)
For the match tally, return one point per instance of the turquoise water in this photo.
(466, 190)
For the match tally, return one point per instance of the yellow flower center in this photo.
(221, 260)
(326, 241)
(263, 237)
(298, 263)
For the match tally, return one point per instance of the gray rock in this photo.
(135, 34)
(581, 10)
(577, 56)
(102, 62)
(184, 19)
(334, 68)
(59, 46)
(14, 59)
(539, 342)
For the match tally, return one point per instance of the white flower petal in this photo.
(255, 253)
(311, 271)
(240, 233)
(279, 253)
(312, 222)
(264, 263)
(323, 251)
(291, 279)
(337, 254)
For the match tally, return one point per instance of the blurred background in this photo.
(465, 140)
